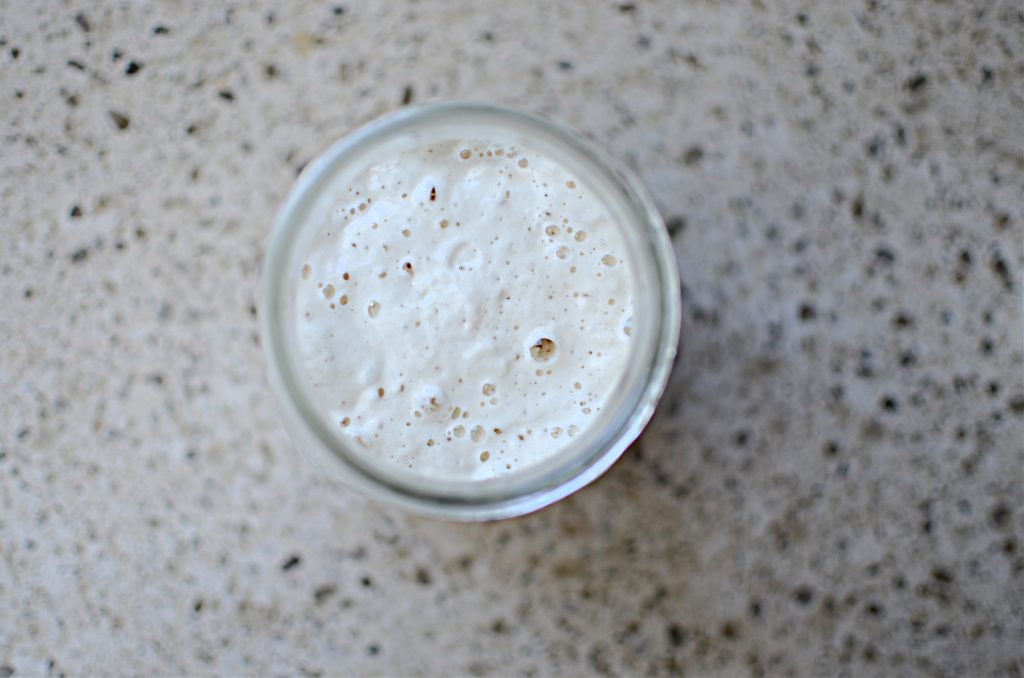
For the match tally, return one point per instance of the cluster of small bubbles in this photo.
(477, 433)
(488, 389)
(573, 430)
(329, 291)
(556, 431)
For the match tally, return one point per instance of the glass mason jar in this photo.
(655, 330)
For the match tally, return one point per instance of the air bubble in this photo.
(329, 291)
(551, 230)
(488, 389)
(543, 350)
(609, 260)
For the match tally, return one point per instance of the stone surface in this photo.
(833, 483)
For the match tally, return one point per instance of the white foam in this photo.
(473, 310)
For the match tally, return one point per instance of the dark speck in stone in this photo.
(676, 635)
(801, 19)
(367, 582)
(499, 627)
(693, 155)
(1000, 268)
(902, 320)
(885, 254)
(75, 212)
(803, 595)
(293, 561)
(627, 7)
(643, 42)
(831, 448)
(28, 292)
(730, 630)
(270, 70)
(116, 55)
(82, 22)
(161, 30)
(874, 609)
(740, 438)
(1016, 404)
(373, 650)
(198, 605)
(77, 65)
(908, 359)
(324, 592)
(875, 146)
(132, 68)
(423, 576)
(675, 225)
(565, 65)
(916, 83)
(857, 206)
(488, 37)
(889, 404)
(407, 95)
(23, 433)
(6, 672)
(122, 121)
(226, 95)
(337, 10)
(79, 255)
(1000, 516)
(15, 52)
(807, 312)
(942, 575)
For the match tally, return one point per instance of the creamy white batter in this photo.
(466, 311)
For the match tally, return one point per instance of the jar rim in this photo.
(518, 493)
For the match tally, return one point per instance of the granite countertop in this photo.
(832, 484)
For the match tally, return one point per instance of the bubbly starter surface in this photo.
(466, 309)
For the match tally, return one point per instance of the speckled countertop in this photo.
(832, 485)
